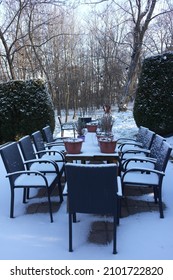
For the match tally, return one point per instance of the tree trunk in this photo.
(140, 27)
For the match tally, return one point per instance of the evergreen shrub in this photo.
(26, 106)
(153, 105)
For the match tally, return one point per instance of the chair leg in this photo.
(70, 233)
(50, 206)
(74, 218)
(115, 235)
(24, 195)
(155, 195)
(27, 195)
(160, 203)
(62, 133)
(118, 210)
(60, 191)
(12, 204)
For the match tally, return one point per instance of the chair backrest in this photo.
(148, 139)
(12, 159)
(27, 148)
(141, 134)
(38, 141)
(47, 134)
(163, 156)
(92, 188)
(156, 145)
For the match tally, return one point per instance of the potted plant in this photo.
(92, 126)
(107, 145)
(73, 145)
(106, 123)
(101, 135)
(81, 129)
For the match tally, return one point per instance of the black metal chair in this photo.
(147, 161)
(31, 158)
(49, 139)
(19, 177)
(95, 189)
(66, 126)
(41, 164)
(142, 177)
(42, 150)
(138, 140)
(48, 135)
(128, 150)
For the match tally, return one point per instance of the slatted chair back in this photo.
(163, 156)
(38, 142)
(141, 134)
(148, 139)
(12, 160)
(92, 189)
(156, 145)
(47, 134)
(27, 148)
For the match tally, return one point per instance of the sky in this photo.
(143, 236)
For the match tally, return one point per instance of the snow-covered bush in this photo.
(153, 105)
(25, 107)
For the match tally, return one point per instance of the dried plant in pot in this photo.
(106, 123)
(81, 129)
(73, 145)
(107, 145)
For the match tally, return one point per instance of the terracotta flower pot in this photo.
(91, 127)
(73, 145)
(107, 145)
(101, 135)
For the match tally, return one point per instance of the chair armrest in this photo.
(137, 144)
(130, 142)
(56, 143)
(134, 151)
(28, 172)
(51, 144)
(60, 138)
(57, 152)
(149, 170)
(141, 159)
(125, 139)
(50, 152)
(43, 161)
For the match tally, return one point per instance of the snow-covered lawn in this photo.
(143, 236)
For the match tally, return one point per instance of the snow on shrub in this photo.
(26, 106)
(153, 105)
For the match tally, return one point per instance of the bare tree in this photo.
(139, 14)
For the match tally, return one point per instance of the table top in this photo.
(91, 151)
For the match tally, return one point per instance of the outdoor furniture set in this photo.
(93, 186)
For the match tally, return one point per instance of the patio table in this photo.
(91, 152)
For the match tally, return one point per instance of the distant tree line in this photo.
(85, 63)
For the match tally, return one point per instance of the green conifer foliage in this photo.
(26, 106)
(153, 105)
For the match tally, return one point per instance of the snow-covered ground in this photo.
(143, 236)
